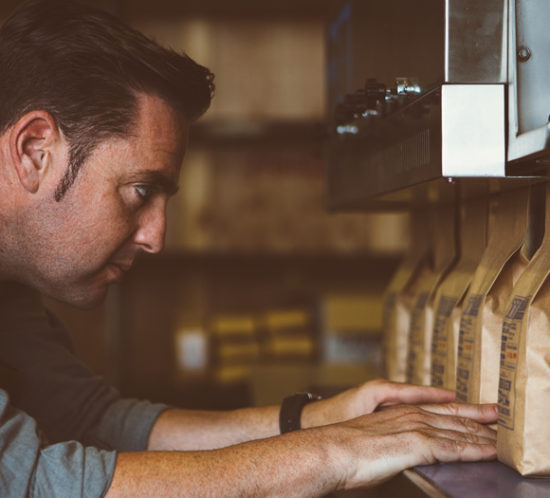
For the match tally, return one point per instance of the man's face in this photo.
(116, 208)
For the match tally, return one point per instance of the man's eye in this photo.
(144, 191)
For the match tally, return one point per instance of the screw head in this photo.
(524, 53)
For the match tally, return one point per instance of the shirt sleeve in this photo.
(125, 425)
(29, 467)
(55, 388)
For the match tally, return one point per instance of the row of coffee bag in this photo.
(451, 292)
(456, 315)
(523, 439)
(502, 262)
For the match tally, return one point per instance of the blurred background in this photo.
(260, 291)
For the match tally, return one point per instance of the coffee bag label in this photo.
(439, 342)
(466, 343)
(416, 337)
(511, 335)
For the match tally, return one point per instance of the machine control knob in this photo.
(407, 86)
(374, 100)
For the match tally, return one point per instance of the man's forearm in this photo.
(294, 464)
(204, 430)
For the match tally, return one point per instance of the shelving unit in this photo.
(188, 288)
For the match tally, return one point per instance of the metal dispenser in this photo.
(475, 106)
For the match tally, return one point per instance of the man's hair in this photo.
(86, 68)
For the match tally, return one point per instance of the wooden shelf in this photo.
(306, 9)
(245, 257)
(458, 480)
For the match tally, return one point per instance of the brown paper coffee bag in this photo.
(524, 385)
(398, 299)
(485, 304)
(450, 294)
(421, 323)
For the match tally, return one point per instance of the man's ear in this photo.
(31, 142)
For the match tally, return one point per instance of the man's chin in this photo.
(82, 297)
(91, 301)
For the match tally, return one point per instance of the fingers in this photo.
(464, 436)
(467, 442)
(463, 425)
(393, 393)
(452, 449)
(405, 436)
(450, 417)
(484, 413)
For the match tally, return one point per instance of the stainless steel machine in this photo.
(427, 93)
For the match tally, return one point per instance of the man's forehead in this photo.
(158, 120)
(159, 138)
(159, 127)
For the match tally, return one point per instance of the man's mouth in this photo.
(117, 270)
(124, 266)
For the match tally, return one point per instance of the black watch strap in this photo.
(291, 411)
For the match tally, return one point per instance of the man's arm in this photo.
(50, 384)
(31, 467)
(360, 452)
(185, 430)
(201, 430)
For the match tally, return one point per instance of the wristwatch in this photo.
(291, 411)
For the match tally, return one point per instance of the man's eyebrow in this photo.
(160, 181)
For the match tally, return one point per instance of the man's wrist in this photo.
(290, 414)
(313, 415)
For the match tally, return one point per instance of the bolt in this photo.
(524, 53)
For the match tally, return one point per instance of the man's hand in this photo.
(367, 398)
(375, 447)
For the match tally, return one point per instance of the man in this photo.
(94, 120)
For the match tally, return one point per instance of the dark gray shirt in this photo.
(60, 425)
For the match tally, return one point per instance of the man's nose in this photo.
(152, 228)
